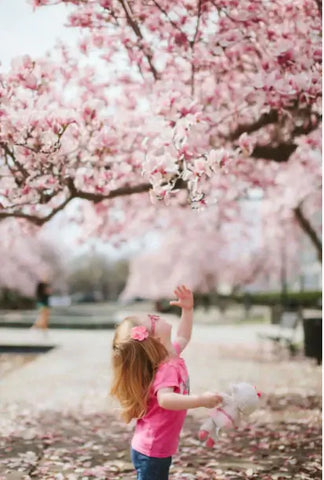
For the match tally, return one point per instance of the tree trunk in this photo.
(309, 231)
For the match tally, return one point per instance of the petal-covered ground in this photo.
(57, 422)
(55, 446)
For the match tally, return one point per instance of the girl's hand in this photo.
(210, 399)
(227, 399)
(185, 298)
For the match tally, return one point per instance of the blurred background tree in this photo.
(94, 277)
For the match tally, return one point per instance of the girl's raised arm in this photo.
(186, 302)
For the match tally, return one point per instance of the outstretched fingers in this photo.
(177, 303)
(181, 291)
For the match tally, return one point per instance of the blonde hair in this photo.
(134, 365)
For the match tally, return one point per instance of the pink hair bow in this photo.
(139, 333)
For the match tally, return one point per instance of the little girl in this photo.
(150, 380)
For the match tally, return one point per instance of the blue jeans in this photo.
(150, 468)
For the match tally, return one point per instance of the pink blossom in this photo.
(173, 115)
(246, 143)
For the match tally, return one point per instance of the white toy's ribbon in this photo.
(227, 415)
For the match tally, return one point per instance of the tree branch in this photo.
(133, 24)
(90, 196)
(24, 173)
(280, 153)
(118, 192)
(192, 45)
(309, 230)
(174, 24)
(305, 129)
(273, 117)
(319, 6)
(264, 120)
(34, 218)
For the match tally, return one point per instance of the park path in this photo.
(76, 374)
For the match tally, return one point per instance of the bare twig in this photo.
(192, 44)
(193, 41)
(133, 24)
(174, 24)
(17, 165)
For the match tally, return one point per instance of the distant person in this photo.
(42, 295)
(150, 380)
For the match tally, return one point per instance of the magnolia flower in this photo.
(246, 144)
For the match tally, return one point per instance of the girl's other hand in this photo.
(211, 399)
(185, 298)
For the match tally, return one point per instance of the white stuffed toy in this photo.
(242, 401)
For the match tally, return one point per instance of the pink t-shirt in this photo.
(157, 433)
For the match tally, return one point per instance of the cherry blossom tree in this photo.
(27, 257)
(216, 255)
(195, 102)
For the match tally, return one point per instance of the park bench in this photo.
(283, 334)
